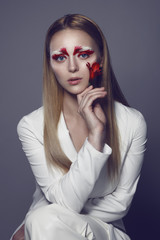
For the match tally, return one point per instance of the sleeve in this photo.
(72, 189)
(115, 206)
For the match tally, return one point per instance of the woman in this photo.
(85, 145)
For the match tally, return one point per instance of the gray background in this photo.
(132, 29)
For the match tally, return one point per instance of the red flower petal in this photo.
(94, 70)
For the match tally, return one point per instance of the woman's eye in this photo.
(59, 58)
(83, 55)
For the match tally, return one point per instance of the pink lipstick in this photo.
(74, 81)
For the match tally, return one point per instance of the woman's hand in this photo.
(93, 115)
(19, 235)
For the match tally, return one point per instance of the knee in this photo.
(41, 216)
(36, 217)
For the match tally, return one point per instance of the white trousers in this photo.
(54, 222)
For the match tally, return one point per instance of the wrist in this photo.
(97, 141)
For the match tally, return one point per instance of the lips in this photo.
(74, 80)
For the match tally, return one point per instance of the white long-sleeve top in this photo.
(87, 187)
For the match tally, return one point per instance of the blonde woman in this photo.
(85, 145)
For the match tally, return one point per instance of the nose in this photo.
(72, 64)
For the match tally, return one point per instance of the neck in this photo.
(70, 104)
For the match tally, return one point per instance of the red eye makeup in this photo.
(87, 52)
(62, 53)
(56, 56)
(77, 50)
(82, 50)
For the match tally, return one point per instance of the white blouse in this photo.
(87, 188)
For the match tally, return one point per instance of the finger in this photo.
(99, 112)
(81, 95)
(97, 90)
(87, 90)
(88, 101)
(92, 93)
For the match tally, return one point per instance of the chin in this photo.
(78, 91)
(75, 90)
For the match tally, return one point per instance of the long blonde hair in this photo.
(53, 95)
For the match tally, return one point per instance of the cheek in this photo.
(85, 69)
(92, 60)
(57, 71)
(54, 67)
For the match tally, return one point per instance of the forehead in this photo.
(69, 38)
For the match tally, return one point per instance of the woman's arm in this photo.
(116, 205)
(93, 115)
(73, 189)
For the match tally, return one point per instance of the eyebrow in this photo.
(61, 51)
(77, 49)
(64, 51)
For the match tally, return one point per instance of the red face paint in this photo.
(56, 56)
(94, 70)
(62, 53)
(80, 50)
(87, 52)
(76, 50)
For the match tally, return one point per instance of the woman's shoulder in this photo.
(129, 116)
(126, 111)
(32, 121)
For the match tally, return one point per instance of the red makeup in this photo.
(84, 50)
(64, 51)
(77, 50)
(61, 53)
(94, 70)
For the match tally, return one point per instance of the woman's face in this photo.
(70, 51)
